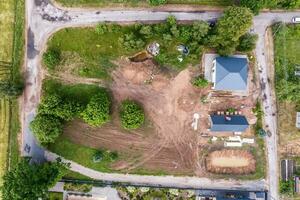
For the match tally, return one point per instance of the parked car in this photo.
(296, 20)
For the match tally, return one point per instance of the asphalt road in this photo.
(43, 19)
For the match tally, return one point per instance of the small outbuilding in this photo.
(230, 73)
(228, 123)
(298, 120)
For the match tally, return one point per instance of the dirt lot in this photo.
(167, 142)
(230, 162)
(289, 134)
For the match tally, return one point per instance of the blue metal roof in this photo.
(231, 73)
(233, 123)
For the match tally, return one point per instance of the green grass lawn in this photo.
(6, 29)
(55, 196)
(78, 153)
(100, 3)
(89, 54)
(75, 175)
(287, 61)
(4, 135)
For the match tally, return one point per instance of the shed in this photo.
(228, 123)
(298, 120)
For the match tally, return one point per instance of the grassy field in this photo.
(86, 53)
(287, 61)
(6, 29)
(100, 3)
(4, 135)
(11, 54)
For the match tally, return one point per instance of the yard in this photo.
(287, 86)
(79, 60)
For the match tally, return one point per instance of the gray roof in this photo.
(231, 73)
(231, 123)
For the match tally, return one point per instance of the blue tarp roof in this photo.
(231, 73)
(233, 123)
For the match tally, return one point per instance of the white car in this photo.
(296, 20)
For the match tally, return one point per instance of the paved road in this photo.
(167, 181)
(43, 19)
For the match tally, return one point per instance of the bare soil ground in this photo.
(167, 142)
(230, 162)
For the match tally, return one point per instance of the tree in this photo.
(53, 104)
(247, 42)
(146, 31)
(131, 114)
(157, 2)
(232, 25)
(31, 181)
(51, 58)
(11, 88)
(253, 5)
(46, 128)
(199, 30)
(97, 110)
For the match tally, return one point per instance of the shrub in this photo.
(286, 187)
(78, 187)
(157, 2)
(131, 42)
(101, 28)
(146, 31)
(51, 58)
(11, 88)
(247, 42)
(200, 82)
(54, 105)
(132, 115)
(46, 128)
(97, 110)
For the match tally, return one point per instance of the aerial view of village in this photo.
(150, 100)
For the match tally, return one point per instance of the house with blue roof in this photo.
(228, 123)
(230, 74)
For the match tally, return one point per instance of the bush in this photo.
(132, 115)
(97, 110)
(46, 128)
(101, 28)
(78, 187)
(131, 42)
(11, 88)
(200, 82)
(64, 109)
(51, 58)
(146, 31)
(286, 187)
(157, 2)
(247, 42)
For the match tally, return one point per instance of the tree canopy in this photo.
(247, 42)
(235, 22)
(132, 115)
(46, 128)
(53, 104)
(253, 5)
(31, 181)
(98, 109)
